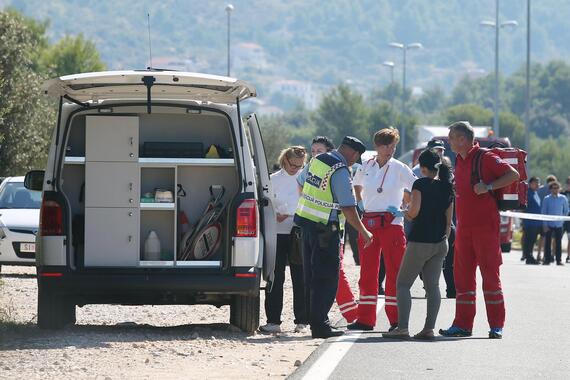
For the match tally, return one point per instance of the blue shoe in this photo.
(455, 331)
(496, 333)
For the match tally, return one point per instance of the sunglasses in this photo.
(293, 165)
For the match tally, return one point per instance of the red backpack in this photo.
(513, 196)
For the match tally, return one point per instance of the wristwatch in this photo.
(490, 187)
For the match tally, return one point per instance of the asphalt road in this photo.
(536, 341)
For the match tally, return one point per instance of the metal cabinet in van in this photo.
(98, 208)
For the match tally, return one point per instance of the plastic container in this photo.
(152, 247)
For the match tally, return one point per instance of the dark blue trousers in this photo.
(321, 262)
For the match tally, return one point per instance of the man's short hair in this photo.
(325, 141)
(386, 136)
(464, 128)
(553, 184)
(533, 179)
(551, 178)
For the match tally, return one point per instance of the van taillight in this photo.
(51, 219)
(246, 220)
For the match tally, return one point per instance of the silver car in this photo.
(19, 218)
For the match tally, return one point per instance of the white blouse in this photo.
(285, 198)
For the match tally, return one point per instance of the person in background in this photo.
(448, 261)
(554, 204)
(438, 146)
(326, 202)
(381, 183)
(284, 183)
(321, 144)
(477, 241)
(567, 223)
(542, 192)
(531, 227)
(431, 210)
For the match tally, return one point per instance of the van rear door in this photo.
(268, 226)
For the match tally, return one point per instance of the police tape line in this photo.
(541, 217)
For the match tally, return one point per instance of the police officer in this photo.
(326, 202)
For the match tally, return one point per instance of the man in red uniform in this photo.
(477, 237)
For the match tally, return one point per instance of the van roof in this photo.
(132, 84)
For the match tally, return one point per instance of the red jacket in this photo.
(474, 210)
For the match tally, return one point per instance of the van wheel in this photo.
(55, 311)
(506, 247)
(244, 312)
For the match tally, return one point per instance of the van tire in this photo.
(506, 247)
(244, 313)
(55, 311)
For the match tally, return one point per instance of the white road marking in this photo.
(324, 366)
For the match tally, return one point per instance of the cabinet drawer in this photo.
(112, 138)
(112, 184)
(111, 236)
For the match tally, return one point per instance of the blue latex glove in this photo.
(395, 211)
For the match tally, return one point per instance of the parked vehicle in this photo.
(135, 212)
(19, 217)
(506, 226)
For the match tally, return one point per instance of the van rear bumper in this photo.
(162, 287)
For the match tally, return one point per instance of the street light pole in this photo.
(496, 26)
(527, 92)
(405, 48)
(390, 65)
(229, 9)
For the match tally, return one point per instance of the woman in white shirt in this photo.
(381, 183)
(286, 197)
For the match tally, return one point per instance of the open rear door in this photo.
(268, 226)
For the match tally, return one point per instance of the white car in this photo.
(19, 219)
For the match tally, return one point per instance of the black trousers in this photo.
(321, 262)
(274, 299)
(352, 236)
(530, 236)
(448, 264)
(557, 233)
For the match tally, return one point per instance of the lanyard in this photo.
(381, 188)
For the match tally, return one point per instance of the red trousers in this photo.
(344, 297)
(478, 246)
(390, 241)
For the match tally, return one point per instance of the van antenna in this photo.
(149, 42)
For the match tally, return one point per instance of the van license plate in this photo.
(27, 247)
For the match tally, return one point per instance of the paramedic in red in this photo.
(381, 183)
(477, 236)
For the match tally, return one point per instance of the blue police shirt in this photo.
(341, 185)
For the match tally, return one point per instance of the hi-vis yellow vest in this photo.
(317, 202)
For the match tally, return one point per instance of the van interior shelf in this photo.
(151, 161)
(157, 206)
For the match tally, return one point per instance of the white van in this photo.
(127, 158)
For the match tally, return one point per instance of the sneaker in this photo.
(359, 326)
(301, 328)
(455, 331)
(393, 327)
(532, 262)
(270, 328)
(496, 333)
(381, 291)
(559, 263)
(397, 334)
(450, 294)
(523, 258)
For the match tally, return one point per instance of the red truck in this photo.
(506, 227)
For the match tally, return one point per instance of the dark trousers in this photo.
(274, 299)
(530, 235)
(448, 264)
(352, 236)
(321, 261)
(557, 233)
(381, 272)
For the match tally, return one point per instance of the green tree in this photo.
(342, 112)
(549, 156)
(25, 115)
(71, 55)
(473, 113)
(276, 137)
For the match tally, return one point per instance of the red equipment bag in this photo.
(513, 196)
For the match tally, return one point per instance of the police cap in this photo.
(436, 144)
(354, 143)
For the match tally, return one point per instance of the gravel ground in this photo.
(118, 342)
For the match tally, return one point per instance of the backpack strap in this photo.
(476, 174)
